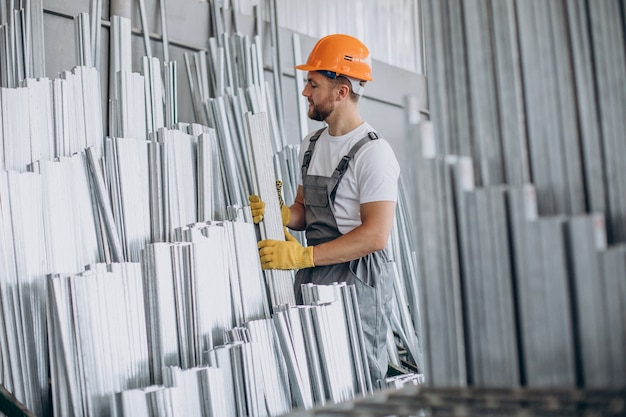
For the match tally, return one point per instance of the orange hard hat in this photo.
(341, 54)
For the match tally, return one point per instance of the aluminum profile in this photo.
(610, 64)
(592, 336)
(273, 371)
(127, 169)
(542, 294)
(439, 265)
(486, 272)
(613, 265)
(97, 327)
(212, 287)
(280, 283)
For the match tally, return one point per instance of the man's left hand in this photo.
(290, 254)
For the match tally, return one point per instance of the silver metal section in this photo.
(145, 30)
(95, 15)
(127, 172)
(243, 383)
(211, 192)
(82, 34)
(269, 360)
(407, 309)
(438, 271)
(105, 209)
(97, 337)
(340, 346)
(21, 42)
(23, 264)
(166, 46)
(154, 93)
(39, 123)
(280, 283)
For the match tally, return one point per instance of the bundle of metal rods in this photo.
(303, 356)
(97, 337)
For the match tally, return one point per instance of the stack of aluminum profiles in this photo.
(72, 236)
(554, 150)
(170, 312)
(238, 251)
(438, 265)
(97, 337)
(173, 204)
(487, 296)
(200, 391)
(542, 290)
(607, 46)
(596, 277)
(269, 358)
(242, 384)
(127, 108)
(211, 282)
(519, 85)
(211, 192)
(155, 188)
(23, 265)
(231, 150)
(126, 164)
(222, 93)
(406, 319)
(568, 283)
(280, 283)
(198, 289)
(22, 45)
(270, 372)
(334, 315)
(151, 401)
(38, 121)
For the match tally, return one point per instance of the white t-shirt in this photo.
(372, 174)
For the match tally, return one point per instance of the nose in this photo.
(306, 90)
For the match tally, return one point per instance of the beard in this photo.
(320, 111)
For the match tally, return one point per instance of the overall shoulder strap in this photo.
(307, 155)
(342, 167)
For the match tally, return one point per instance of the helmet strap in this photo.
(358, 86)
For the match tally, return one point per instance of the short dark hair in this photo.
(340, 79)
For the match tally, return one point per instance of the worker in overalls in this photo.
(346, 196)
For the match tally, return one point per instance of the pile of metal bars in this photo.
(536, 298)
(303, 356)
(97, 337)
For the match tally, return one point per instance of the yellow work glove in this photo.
(289, 254)
(257, 207)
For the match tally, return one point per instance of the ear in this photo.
(343, 92)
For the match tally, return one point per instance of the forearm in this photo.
(296, 218)
(372, 235)
(353, 245)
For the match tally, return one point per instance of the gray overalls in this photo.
(371, 274)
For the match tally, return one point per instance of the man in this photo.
(346, 196)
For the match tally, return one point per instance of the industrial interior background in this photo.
(507, 118)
